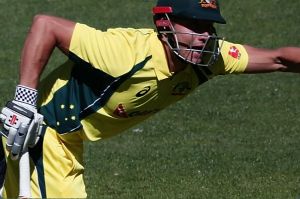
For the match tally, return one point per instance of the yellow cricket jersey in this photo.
(118, 78)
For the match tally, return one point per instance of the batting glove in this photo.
(21, 122)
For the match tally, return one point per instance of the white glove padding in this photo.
(22, 125)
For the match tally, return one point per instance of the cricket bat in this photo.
(24, 173)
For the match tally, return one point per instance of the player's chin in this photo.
(197, 59)
(194, 57)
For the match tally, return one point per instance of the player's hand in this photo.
(22, 126)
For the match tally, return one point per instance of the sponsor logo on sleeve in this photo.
(234, 52)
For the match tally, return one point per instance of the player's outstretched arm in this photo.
(285, 59)
(46, 33)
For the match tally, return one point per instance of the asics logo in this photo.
(143, 92)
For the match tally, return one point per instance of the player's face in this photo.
(193, 34)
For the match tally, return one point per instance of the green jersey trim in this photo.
(87, 90)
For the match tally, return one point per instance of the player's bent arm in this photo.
(46, 33)
(261, 60)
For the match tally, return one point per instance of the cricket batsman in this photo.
(113, 79)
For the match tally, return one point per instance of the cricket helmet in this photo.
(202, 10)
(194, 9)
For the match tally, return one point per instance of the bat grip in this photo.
(24, 176)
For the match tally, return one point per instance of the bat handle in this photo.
(24, 176)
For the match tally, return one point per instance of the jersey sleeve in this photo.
(233, 59)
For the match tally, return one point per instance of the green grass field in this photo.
(235, 137)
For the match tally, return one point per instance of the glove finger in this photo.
(10, 138)
(2, 118)
(34, 130)
(32, 133)
(17, 147)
